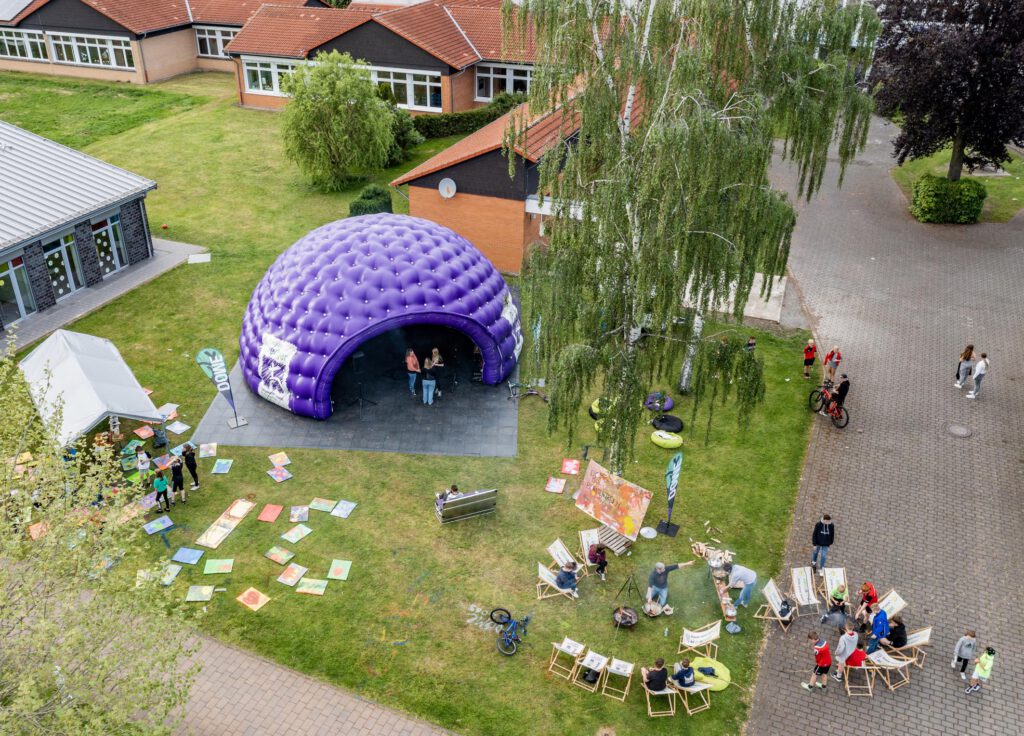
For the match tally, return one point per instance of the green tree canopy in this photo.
(664, 189)
(336, 126)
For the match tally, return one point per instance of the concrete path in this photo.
(934, 516)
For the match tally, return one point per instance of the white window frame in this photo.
(217, 35)
(507, 78)
(434, 80)
(77, 40)
(113, 222)
(30, 41)
(7, 271)
(277, 68)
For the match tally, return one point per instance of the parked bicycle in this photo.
(820, 400)
(518, 391)
(510, 637)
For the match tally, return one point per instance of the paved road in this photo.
(936, 517)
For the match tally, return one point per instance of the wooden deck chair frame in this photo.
(560, 555)
(581, 665)
(914, 648)
(769, 611)
(801, 580)
(700, 690)
(587, 538)
(827, 582)
(556, 668)
(547, 588)
(617, 693)
(894, 677)
(709, 648)
(669, 693)
(867, 690)
(897, 609)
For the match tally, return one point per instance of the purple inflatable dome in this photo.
(357, 278)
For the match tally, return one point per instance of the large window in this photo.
(264, 77)
(16, 300)
(211, 41)
(92, 51)
(63, 265)
(415, 91)
(493, 80)
(110, 245)
(23, 45)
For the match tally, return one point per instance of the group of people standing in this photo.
(428, 374)
(971, 366)
(166, 490)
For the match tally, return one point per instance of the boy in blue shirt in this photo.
(684, 675)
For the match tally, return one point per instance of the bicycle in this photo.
(516, 392)
(820, 400)
(509, 637)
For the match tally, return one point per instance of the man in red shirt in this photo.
(810, 351)
(822, 663)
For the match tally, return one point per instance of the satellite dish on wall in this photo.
(446, 188)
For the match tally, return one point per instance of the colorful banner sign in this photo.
(672, 480)
(213, 365)
(614, 502)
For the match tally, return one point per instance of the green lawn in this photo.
(1005, 193)
(397, 631)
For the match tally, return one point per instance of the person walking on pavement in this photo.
(832, 360)
(982, 670)
(188, 454)
(823, 537)
(980, 371)
(965, 366)
(964, 651)
(810, 350)
(429, 382)
(412, 367)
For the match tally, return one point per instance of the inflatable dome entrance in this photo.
(351, 280)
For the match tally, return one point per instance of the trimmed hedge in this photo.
(940, 200)
(460, 123)
(371, 200)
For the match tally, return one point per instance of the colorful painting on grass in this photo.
(322, 504)
(343, 509)
(298, 513)
(169, 411)
(279, 459)
(339, 570)
(292, 574)
(208, 449)
(148, 501)
(158, 525)
(280, 475)
(614, 502)
(218, 567)
(555, 485)
(279, 555)
(225, 524)
(129, 449)
(570, 467)
(297, 532)
(170, 573)
(144, 432)
(253, 599)
(37, 530)
(187, 556)
(178, 427)
(199, 593)
(310, 586)
(177, 451)
(270, 513)
(222, 466)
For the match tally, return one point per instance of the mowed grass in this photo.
(1005, 193)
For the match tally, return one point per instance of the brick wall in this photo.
(39, 276)
(86, 245)
(136, 232)
(462, 91)
(168, 54)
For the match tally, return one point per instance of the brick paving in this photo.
(916, 509)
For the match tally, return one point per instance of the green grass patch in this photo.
(1005, 193)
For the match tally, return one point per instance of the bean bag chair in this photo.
(658, 401)
(668, 440)
(668, 423)
(722, 676)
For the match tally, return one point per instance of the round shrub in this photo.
(940, 200)
(371, 200)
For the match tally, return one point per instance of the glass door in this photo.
(64, 267)
(110, 244)
(16, 301)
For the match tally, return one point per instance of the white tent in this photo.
(90, 376)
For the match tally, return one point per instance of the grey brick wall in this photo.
(39, 276)
(87, 253)
(136, 231)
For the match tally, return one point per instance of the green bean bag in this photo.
(668, 440)
(722, 676)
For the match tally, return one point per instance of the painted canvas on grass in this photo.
(280, 475)
(555, 485)
(128, 464)
(37, 530)
(570, 466)
(322, 504)
(292, 574)
(270, 513)
(343, 509)
(279, 555)
(222, 466)
(158, 525)
(208, 449)
(199, 593)
(299, 513)
(253, 599)
(297, 532)
(225, 523)
(178, 427)
(170, 572)
(218, 567)
(339, 570)
(279, 459)
(177, 451)
(163, 462)
(170, 411)
(187, 556)
(309, 586)
(148, 501)
(614, 502)
(129, 449)
(144, 432)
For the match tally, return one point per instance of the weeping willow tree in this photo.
(667, 112)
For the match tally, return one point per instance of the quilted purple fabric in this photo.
(357, 278)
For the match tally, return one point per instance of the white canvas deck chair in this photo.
(852, 676)
(587, 538)
(617, 668)
(894, 671)
(802, 589)
(595, 662)
(701, 691)
(561, 556)
(913, 648)
(770, 611)
(547, 587)
(832, 579)
(670, 706)
(892, 603)
(559, 652)
(703, 641)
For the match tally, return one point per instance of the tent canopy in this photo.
(91, 378)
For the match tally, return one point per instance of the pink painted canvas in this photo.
(253, 599)
(570, 467)
(270, 513)
(555, 485)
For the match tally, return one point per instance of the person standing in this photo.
(823, 537)
(412, 367)
(596, 555)
(429, 381)
(743, 578)
(879, 628)
(437, 365)
(965, 366)
(980, 371)
(177, 478)
(982, 670)
(846, 646)
(822, 663)
(657, 583)
(143, 461)
(832, 360)
(810, 350)
(964, 651)
(160, 486)
(567, 578)
(188, 454)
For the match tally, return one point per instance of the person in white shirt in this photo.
(980, 370)
(744, 578)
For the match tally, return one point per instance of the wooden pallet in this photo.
(613, 540)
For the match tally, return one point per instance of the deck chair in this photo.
(833, 577)
(587, 538)
(559, 651)
(915, 641)
(700, 690)
(770, 611)
(561, 556)
(703, 641)
(892, 603)
(855, 689)
(547, 587)
(802, 589)
(617, 668)
(894, 671)
(670, 706)
(592, 661)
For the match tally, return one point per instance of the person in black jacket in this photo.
(823, 538)
(189, 454)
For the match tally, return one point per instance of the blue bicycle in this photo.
(509, 637)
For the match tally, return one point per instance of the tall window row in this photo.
(211, 41)
(92, 51)
(264, 77)
(23, 45)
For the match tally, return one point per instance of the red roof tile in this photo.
(234, 12)
(293, 32)
(482, 24)
(138, 16)
(430, 26)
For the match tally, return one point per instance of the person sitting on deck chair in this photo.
(567, 578)
(656, 678)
